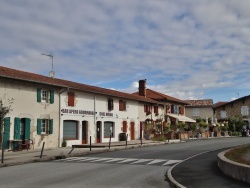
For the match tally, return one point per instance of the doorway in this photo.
(84, 132)
(98, 131)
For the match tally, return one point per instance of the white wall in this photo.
(25, 105)
(98, 104)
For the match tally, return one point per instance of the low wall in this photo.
(235, 170)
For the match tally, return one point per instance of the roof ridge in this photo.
(34, 77)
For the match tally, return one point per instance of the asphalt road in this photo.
(139, 167)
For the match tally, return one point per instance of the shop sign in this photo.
(84, 112)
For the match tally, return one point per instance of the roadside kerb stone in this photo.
(233, 169)
(53, 154)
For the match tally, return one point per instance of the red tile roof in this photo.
(200, 103)
(31, 77)
(161, 97)
(218, 104)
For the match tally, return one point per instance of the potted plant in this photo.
(64, 143)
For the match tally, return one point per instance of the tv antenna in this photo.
(51, 73)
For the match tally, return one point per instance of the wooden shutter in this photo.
(39, 124)
(156, 109)
(39, 95)
(6, 133)
(17, 128)
(172, 108)
(27, 128)
(120, 105)
(124, 128)
(182, 110)
(52, 96)
(51, 126)
(71, 99)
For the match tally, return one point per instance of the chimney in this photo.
(142, 87)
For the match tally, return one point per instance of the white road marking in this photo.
(171, 162)
(128, 160)
(156, 161)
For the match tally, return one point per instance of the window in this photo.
(223, 114)
(71, 99)
(110, 104)
(70, 130)
(176, 109)
(244, 110)
(196, 112)
(147, 108)
(44, 126)
(122, 105)
(156, 110)
(45, 96)
(108, 129)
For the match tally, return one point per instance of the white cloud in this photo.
(183, 48)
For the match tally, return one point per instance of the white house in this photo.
(51, 110)
(35, 108)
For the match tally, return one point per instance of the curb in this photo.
(233, 169)
(55, 157)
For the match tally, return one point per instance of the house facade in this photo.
(35, 109)
(100, 116)
(200, 109)
(239, 107)
(168, 109)
(52, 110)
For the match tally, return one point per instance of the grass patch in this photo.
(240, 154)
(160, 138)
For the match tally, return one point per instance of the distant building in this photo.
(172, 109)
(239, 107)
(200, 109)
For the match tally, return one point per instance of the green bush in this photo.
(235, 134)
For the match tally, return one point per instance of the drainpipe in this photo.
(59, 141)
(94, 111)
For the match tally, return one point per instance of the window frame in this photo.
(105, 127)
(45, 96)
(76, 130)
(244, 110)
(223, 114)
(196, 112)
(122, 105)
(110, 104)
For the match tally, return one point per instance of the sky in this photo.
(188, 49)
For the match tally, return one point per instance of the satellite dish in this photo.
(52, 74)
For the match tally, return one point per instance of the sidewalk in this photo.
(22, 157)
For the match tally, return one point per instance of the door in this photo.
(84, 132)
(98, 132)
(132, 130)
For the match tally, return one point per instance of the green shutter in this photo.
(39, 124)
(6, 133)
(51, 126)
(39, 95)
(51, 96)
(17, 128)
(27, 128)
